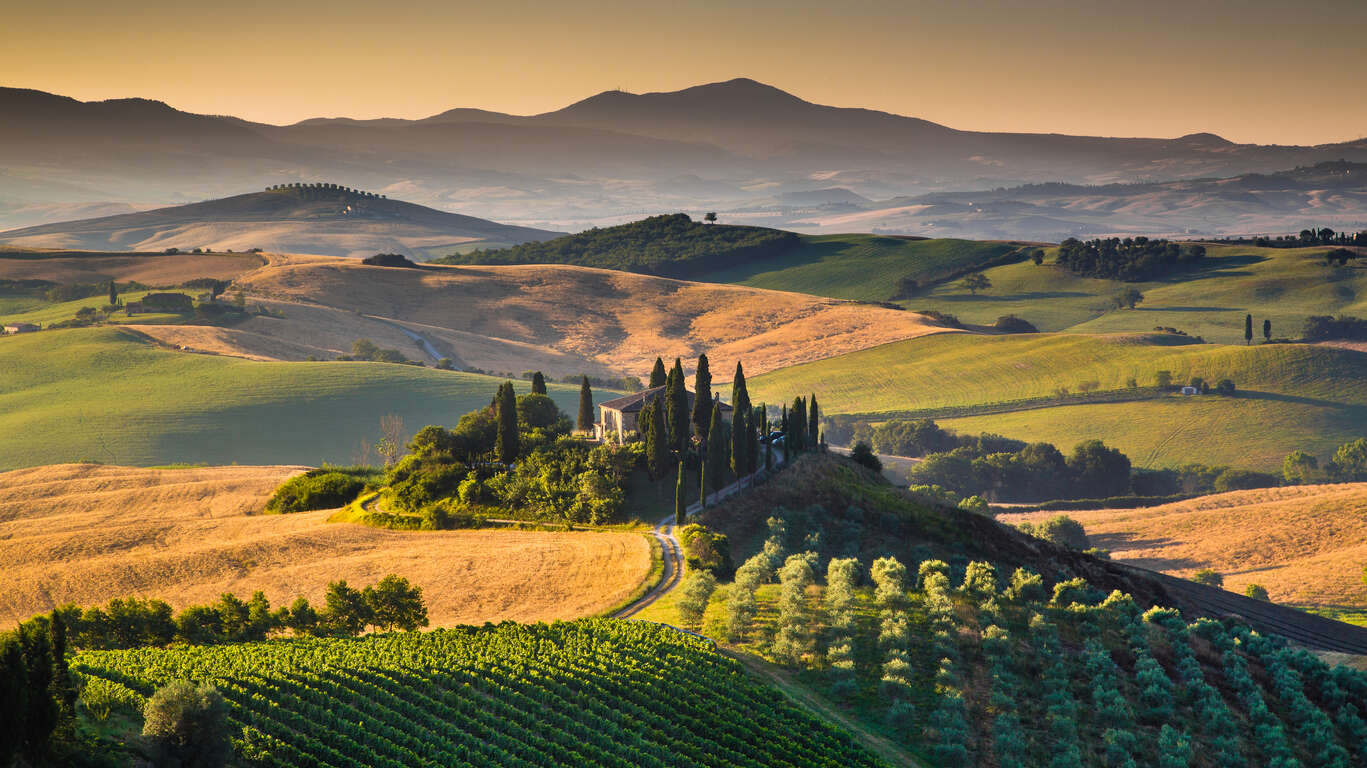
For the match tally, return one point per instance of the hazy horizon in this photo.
(1163, 70)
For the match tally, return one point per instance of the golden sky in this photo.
(1249, 70)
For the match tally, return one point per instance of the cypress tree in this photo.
(652, 423)
(507, 442)
(768, 444)
(657, 374)
(787, 441)
(680, 506)
(703, 474)
(797, 425)
(739, 449)
(1267, 330)
(62, 689)
(1248, 329)
(113, 295)
(702, 398)
(42, 715)
(14, 694)
(538, 384)
(676, 408)
(752, 432)
(740, 395)
(585, 405)
(813, 423)
(716, 450)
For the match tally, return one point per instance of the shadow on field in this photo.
(1116, 542)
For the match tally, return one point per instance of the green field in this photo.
(1285, 285)
(1291, 396)
(106, 394)
(587, 693)
(859, 267)
(44, 313)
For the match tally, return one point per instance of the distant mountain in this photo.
(612, 155)
(322, 219)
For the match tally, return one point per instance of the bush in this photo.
(863, 454)
(388, 260)
(1208, 577)
(1061, 530)
(1225, 387)
(1257, 592)
(187, 725)
(1013, 324)
(315, 489)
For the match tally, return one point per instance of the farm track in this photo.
(672, 554)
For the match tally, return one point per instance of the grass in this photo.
(105, 394)
(1291, 396)
(87, 533)
(1284, 285)
(860, 267)
(44, 312)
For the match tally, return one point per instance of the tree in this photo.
(1350, 461)
(391, 437)
(507, 442)
(813, 423)
(1163, 379)
(716, 450)
(113, 295)
(538, 384)
(680, 503)
(677, 413)
(187, 725)
(346, 611)
(658, 377)
(1299, 467)
(1128, 298)
(1267, 330)
(1225, 387)
(1257, 592)
(651, 424)
(797, 424)
(1248, 329)
(702, 398)
(741, 416)
(710, 217)
(1037, 256)
(1100, 471)
(585, 421)
(395, 604)
(697, 589)
(975, 282)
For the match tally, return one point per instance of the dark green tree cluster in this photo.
(390, 604)
(584, 422)
(671, 245)
(1129, 259)
(1326, 328)
(37, 698)
(506, 442)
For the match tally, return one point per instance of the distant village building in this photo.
(161, 302)
(1190, 391)
(20, 328)
(620, 415)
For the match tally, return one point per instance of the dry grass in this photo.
(86, 533)
(1305, 544)
(562, 319)
(149, 269)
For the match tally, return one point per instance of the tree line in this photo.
(1128, 259)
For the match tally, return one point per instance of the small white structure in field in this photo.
(1190, 391)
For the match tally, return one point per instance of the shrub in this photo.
(388, 260)
(1208, 577)
(863, 454)
(1257, 592)
(187, 725)
(315, 489)
(1013, 324)
(1225, 387)
(1059, 529)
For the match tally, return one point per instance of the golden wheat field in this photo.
(85, 533)
(561, 319)
(1305, 544)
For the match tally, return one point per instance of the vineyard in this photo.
(968, 666)
(587, 693)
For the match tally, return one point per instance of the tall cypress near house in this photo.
(740, 395)
(752, 429)
(538, 384)
(797, 425)
(1248, 329)
(507, 443)
(657, 374)
(739, 449)
(787, 441)
(702, 398)
(585, 405)
(813, 423)
(768, 444)
(659, 449)
(113, 295)
(680, 507)
(676, 408)
(716, 450)
(1267, 330)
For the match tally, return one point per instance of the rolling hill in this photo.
(108, 394)
(718, 146)
(188, 535)
(330, 220)
(1290, 396)
(1305, 544)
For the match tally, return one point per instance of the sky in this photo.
(1250, 70)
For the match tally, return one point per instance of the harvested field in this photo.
(1306, 544)
(564, 319)
(85, 533)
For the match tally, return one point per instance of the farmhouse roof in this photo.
(634, 402)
